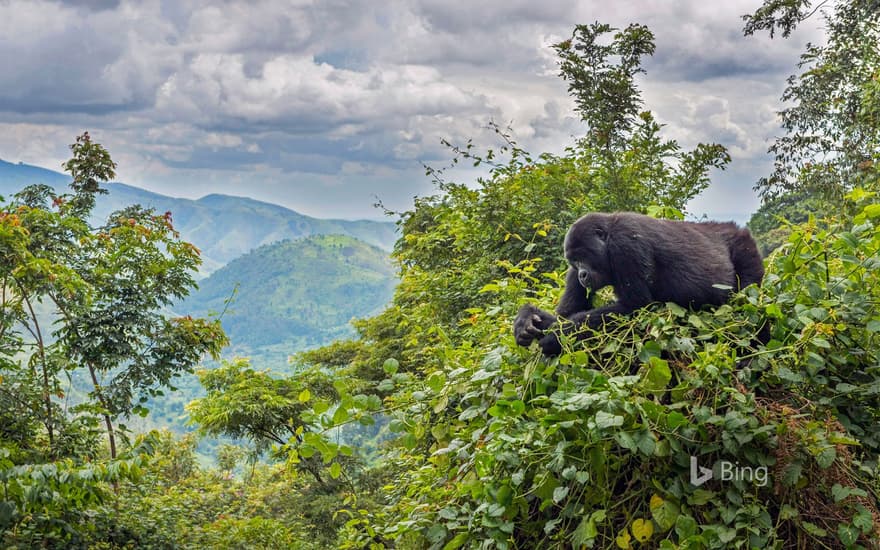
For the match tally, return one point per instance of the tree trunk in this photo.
(107, 420)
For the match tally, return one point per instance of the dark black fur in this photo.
(645, 260)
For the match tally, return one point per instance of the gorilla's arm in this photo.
(632, 269)
(575, 298)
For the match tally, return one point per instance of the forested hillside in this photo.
(294, 295)
(754, 424)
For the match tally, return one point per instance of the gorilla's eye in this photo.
(600, 233)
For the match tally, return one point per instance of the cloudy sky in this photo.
(325, 105)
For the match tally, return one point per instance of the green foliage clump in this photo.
(175, 503)
(831, 129)
(51, 505)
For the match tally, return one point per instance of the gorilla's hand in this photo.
(550, 345)
(530, 324)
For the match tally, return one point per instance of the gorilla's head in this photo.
(586, 250)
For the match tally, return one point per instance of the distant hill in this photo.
(294, 295)
(221, 226)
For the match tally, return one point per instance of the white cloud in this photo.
(285, 95)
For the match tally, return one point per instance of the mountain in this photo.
(223, 227)
(294, 295)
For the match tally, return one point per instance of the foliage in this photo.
(269, 411)
(177, 504)
(601, 78)
(104, 289)
(831, 136)
(51, 505)
(505, 449)
(770, 224)
(80, 299)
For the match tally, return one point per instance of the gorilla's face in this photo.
(586, 250)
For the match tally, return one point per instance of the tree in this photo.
(106, 290)
(267, 410)
(831, 131)
(601, 79)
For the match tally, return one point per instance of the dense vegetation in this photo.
(432, 429)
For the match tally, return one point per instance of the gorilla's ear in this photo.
(631, 264)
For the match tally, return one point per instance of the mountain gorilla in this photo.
(645, 260)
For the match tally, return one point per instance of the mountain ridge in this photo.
(222, 226)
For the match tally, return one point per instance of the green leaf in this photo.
(607, 420)
(664, 512)
(657, 376)
(701, 497)
(863, 519)
(341, 415)
(7, 513)
(335, 470)
(839, 492)
(773, 310)
(821, 342)
(847, 534)
(872, 210)
(456, 542)
(551, 525)
(436, 381)
(517, 477)
(390, 366)
(650, 349)
(626, 440)
(788, 512)
(646, 442)
(504, 495)
(517, 407)
(304, 396)
(792, 473)
(675, 420)
(585, 533)
(436, 533)
(826, 458)
(685, 526)
(560, 493)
